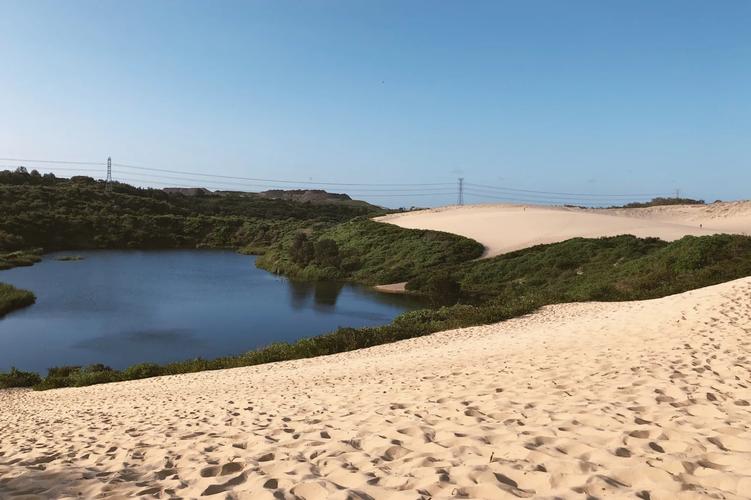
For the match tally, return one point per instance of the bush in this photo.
(142, 370)
(302, 250)
(327, 253)
(11, 298)
(442, 288)
(17, 378)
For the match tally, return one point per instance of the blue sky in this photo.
(596, 97)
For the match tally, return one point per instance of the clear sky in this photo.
(571, 96)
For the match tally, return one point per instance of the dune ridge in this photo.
(609, 400)
(504, 228)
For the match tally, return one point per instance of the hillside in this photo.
(60, 214)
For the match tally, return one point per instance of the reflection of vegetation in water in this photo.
(618, 268)
(323, 293)
(69, 258)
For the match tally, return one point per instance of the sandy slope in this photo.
(619, 400)
(505, 228)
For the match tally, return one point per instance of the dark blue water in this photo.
(126, 307)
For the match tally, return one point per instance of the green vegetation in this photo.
(491, 290)
(605, 269)
(75, 214)
(367, 252)
(11, 298)
(19, 258)
(658, 202)
(17, 378)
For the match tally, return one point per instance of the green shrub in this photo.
(327, 253)
(11, 298)
(17, 378)
(142, 370)
(19, 258)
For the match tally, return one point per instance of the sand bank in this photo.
(618, 400)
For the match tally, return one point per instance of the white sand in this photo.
(505, 228)
(618, 400)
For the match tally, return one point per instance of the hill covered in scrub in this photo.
(368, 252)
(603, 269)
(68, 214)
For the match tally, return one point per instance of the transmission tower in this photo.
(108, 182)
(461, 191)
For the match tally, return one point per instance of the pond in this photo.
(125, 307)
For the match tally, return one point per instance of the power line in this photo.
(559, 193)
(61, 162)
(219, 176)
(559, 197)
(389, 189)
(548, 201)
(370, 194)
(257, 185)
(69, 169)
(257, 179)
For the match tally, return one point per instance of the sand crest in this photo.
(602, 400)
(505, 228)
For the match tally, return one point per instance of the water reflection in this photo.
(125, 307)
(323, 293)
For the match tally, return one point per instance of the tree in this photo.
(302, 250)
(443, 288)
(327, 253)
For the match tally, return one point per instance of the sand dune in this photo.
(505, 228)
(601, 400)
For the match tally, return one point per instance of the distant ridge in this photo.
(186, 191)
(305, 195)
(315, 196)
